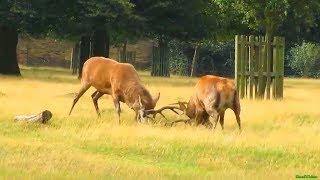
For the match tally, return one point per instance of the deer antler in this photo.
(182, 105)
(179, 102)
(181, 120)
(159, 111)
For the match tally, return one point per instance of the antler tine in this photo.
(159, 111)
(172, 108)
(154, 115)
(178, 103)
(181, 120)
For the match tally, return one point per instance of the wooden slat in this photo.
(256, 74)
(262, 58)
(237, 69)
(246, 66)
(242, 67)
(275, 67)
(268, 68)
(258, 63)
(251, 66)
(280, 68)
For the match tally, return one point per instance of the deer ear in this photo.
(156, 99)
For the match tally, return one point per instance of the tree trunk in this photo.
(8, 51)
(155, 61)
(75, 58)
(84, 53)
(194, 62)
(160, 62)
(123, 53)
(100, 43)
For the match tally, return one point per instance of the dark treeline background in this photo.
(192, 37)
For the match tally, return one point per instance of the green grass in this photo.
(280, 139)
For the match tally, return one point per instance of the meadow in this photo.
(280, 139)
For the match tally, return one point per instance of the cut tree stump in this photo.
(42, 117)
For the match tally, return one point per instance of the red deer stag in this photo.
(212, 96)
(121, 81)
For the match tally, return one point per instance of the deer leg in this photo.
(95, 96)
(221, 119)
(207, 123)
(199, 117)
(215, 121)
(214, 114)
(236, 110)
(82, 90)
(117, 106)
(138, 116)
(238, 119)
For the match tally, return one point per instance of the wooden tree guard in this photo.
(42, 117)
(259, 67)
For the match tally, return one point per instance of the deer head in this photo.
(142, 112)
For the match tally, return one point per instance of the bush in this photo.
(217, 58)
(214, 58)
(178, 62)
(305, 59)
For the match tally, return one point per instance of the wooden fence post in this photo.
(242, 67)
(251, 65)
(71, 59)
(259, 65)
(268, 64)
(237, 66)
(278, 66)
(256, 66)
(246, 65)
(261, 68)
(281, 66)
(275, 67)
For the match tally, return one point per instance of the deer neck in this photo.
(137, 91)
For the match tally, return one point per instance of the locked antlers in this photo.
(159, 111)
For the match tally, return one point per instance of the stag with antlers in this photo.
(212, 96)
(122, 83)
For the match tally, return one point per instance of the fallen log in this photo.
(42, 117)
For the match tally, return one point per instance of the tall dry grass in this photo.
(280, 139)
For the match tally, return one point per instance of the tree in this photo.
(305, 59)
(94, 23)
(185, 20)
(84, 53)
(302, 22)
(17, 17)
(8, 46)
(270, 16)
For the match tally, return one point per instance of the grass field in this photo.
(280, 139)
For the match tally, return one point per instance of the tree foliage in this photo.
(272, 16)
(305, 59)
(183, 20)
